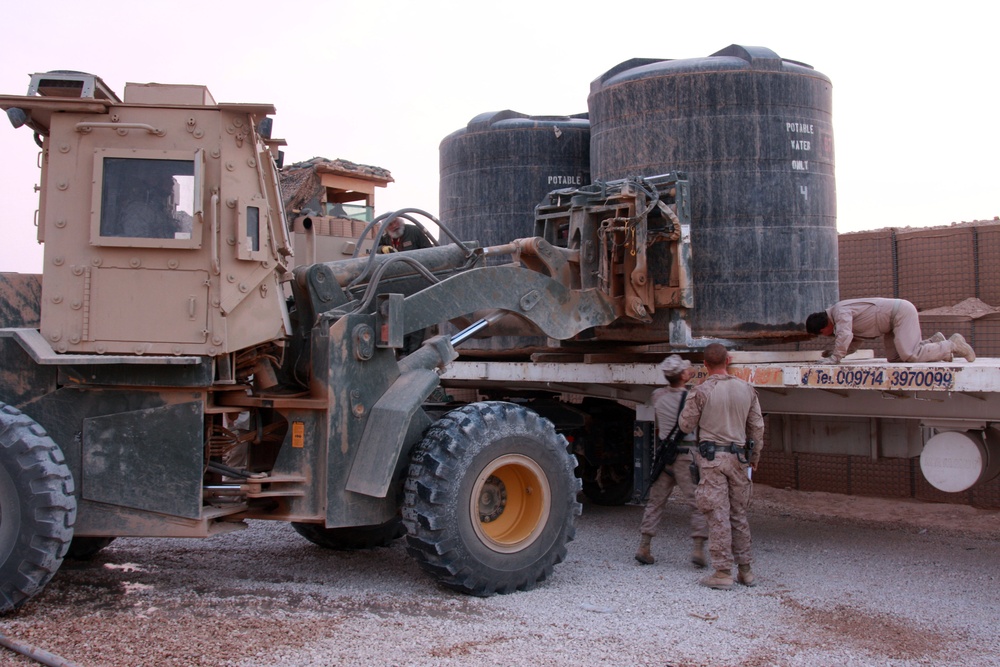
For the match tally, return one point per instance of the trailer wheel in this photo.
(610, 485)
(353, 537)
(85, 548)
(490, 499)
(37, 508)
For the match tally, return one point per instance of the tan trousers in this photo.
(903, 342)
(660, 492)
(723, 494)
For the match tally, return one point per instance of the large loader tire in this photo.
(353, 537)
(490, 499)
(37, 508)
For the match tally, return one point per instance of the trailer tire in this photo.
(37, 508)
(491, 499)
(351, 537)
(615, 488)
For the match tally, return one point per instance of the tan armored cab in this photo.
(161, 219)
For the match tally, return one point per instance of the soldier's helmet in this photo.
(674, 365)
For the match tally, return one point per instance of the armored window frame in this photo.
(253, 230)
(103, 231)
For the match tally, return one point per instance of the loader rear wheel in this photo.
(352, 537)
(490, 499)
(37, 508)
(85, 548)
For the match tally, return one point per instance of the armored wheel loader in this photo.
(173, 373)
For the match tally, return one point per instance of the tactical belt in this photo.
(723, 449)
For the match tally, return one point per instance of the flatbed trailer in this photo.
(944, 412)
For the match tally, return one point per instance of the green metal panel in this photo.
(146, 459)
(189, 375)
(353, 382)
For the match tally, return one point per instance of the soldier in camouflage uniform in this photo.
(724, 413)
(667, 402)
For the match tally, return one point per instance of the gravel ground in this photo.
(843, 581)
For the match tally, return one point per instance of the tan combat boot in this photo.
(961, 348)
(721, 580)
(698, 553)
(936, 338)
(643, 555)
(745, 575)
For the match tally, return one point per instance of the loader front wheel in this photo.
(37, 508)
(490, 499)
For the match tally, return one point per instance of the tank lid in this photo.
(756, 58)
(631, 63)
(484, 120)
(508, 119)
(759, 57)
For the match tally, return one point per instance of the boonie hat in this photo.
(673, 365)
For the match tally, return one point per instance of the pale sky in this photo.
(916, 89)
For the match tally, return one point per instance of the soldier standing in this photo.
(724, 413)
(667, 402)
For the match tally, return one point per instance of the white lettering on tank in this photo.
(801, 145)
(565, 180)
(800, 165)
(799, 128)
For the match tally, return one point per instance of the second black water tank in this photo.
(501, 165)
(754, 134)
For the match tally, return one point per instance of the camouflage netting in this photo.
(300, 182)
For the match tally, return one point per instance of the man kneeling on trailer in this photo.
(896, 320)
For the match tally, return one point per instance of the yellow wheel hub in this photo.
(510, 503)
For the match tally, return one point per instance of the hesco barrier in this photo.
(934, 268)
(861, 476)
(912, 264)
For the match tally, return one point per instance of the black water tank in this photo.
(754, 134)
(501, 165)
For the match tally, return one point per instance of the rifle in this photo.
(666, 450)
